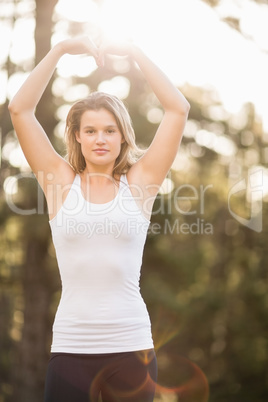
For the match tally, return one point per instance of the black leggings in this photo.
(118, 377)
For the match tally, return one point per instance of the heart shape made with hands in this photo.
(85, 45)
(112, 47)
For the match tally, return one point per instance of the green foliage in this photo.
(207, 293)
(204, 275)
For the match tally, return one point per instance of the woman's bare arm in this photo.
(153, 167)
(35, 144)
(159, 157)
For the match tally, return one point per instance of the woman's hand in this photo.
(116, 48)
(80, 45)
(84, 45)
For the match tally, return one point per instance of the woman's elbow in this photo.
(12, 108)
(184, 108)
(180, 104)
(15, 108)
(187, 107)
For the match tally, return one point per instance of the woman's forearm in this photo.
(168, 95)
(31, 91)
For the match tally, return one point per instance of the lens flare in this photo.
(164, 329)
(192, 384)
(138, 384)
(185, 379)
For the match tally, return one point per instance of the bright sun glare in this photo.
(117, 19)
(185, 38)
(106, 17)
(189, 46)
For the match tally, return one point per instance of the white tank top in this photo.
(99, 250)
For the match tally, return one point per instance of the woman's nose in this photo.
(100, 138)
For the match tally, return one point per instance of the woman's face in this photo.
(100, 137)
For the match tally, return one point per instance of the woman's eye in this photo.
(110, 131)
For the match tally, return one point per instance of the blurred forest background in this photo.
(204, 274)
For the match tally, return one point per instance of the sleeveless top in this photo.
(99, 250)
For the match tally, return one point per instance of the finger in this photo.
(101, 55)
(100, 61)
(93, 48)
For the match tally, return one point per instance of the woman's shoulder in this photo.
(58, 186)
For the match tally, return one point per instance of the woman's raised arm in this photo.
(160, 155)
(153, 167)
(35, 144)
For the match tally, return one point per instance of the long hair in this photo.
(129, 152)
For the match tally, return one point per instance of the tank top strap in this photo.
(76, 179)
(123, 181)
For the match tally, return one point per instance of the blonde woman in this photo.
(100, 203)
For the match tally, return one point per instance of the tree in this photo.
(206, 291)
(35, 286)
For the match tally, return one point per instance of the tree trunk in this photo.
(33, 350)
(33, 353)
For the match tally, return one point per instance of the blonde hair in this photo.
(98, 100)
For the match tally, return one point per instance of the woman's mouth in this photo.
(100, 151)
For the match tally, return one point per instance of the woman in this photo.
(99, 205)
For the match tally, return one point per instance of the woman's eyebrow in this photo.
(107, 126)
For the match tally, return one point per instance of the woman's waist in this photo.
(100, 306)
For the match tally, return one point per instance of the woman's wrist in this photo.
(135, 52)
(60, 49)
